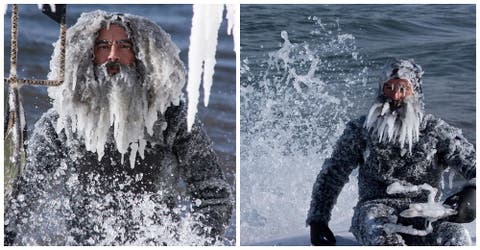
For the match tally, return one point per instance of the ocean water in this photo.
(37, 33)
(308, 69)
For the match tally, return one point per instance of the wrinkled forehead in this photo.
(398, 81)
(117, 30)
(112, 32)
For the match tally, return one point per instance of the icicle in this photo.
(206, 22)
(133, 154)
(52, 7)
(386, 107)
(232, 26)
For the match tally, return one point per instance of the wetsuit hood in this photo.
(404, 69)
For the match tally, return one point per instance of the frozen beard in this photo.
(109, 103)
(121, 108)
(395, 125)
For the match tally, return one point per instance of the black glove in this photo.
(464, 203)
(321, 235)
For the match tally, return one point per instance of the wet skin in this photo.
(113, 45)
(397, 90)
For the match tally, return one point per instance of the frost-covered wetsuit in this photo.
(381, 164)
(82, 197)
(76, 190)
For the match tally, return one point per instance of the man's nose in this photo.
(397, 95)
(114, 55)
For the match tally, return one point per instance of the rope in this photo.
(63, 35)
(13, 50)
(13, 80)
(14, 118)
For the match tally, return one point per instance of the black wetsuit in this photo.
(66, 196)
(381, 164)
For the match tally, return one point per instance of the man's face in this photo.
(397, 90)
(113, 46)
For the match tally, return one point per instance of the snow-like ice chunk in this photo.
(431, 210)
(427, 210)
(390, 228)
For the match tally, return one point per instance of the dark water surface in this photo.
(441, 38)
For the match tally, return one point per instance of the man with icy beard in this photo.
(395, 117)
(401, 154)
(112, 163)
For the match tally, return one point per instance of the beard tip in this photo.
(402, 124)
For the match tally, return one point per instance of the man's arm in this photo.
(206, 183)
(455, 151)
(335, 171)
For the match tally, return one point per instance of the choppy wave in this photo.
(295, 102)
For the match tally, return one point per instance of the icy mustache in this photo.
(113, 65)
(116, 70)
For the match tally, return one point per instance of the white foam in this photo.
(293, 116)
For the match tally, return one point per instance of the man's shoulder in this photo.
(44, 130)
(357, 123)
(176, 111)
(439, 127)
(47, 120)
(431, 122)
(176, 115)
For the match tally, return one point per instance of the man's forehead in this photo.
(398, 81)
(113, 32)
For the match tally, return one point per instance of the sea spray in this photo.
(295, 102)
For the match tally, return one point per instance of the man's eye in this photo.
(125, 46)
(392, 87)
(103, 47)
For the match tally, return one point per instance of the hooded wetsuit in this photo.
(382, 163)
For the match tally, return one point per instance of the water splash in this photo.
(119, 218)
(295, 102)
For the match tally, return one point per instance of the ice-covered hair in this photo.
(400, 125)
(161, 69)
(404, 69)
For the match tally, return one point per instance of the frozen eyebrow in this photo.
(125, 41)
(122, 41)
(103, 41)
